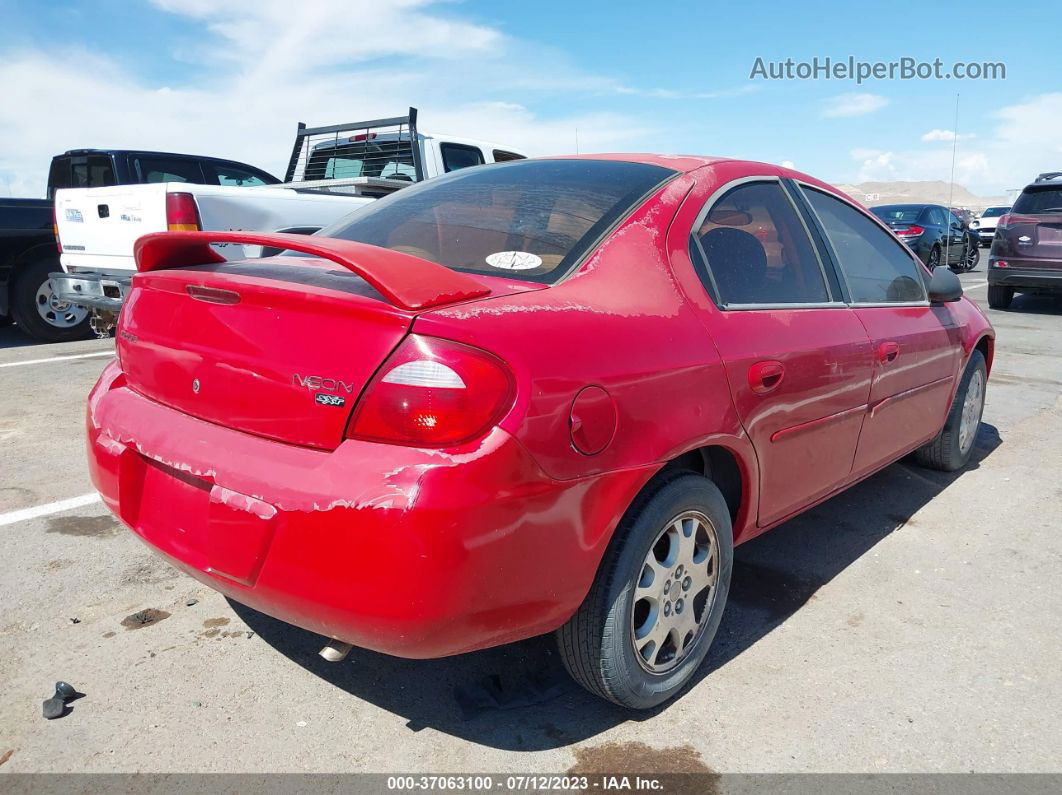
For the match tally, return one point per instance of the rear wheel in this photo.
(951, 448)
(655, 606)
(999, 297)
(39, 312)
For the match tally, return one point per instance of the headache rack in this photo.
(376, 155)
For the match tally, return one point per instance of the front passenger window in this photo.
(757, 250)
(876, 266)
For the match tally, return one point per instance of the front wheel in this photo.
(934, 257)
(971, 257)
(654, 608)
(951, 448)
(39, 312)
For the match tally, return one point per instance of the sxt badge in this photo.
(329, 400)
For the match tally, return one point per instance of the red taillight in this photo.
(362, 137)
(1001, 263)
(433, 393)
(182, 214)
(913, 230)
(55, 228)
(1001, 224)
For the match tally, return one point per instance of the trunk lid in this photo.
(280, 347)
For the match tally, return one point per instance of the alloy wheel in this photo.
(675, 591)
(54, 312)
(971, 411)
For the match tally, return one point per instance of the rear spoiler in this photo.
(406, 281)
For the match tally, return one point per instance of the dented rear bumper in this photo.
(410, 552)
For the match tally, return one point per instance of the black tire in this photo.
(945, 452)
(972, 256)
(29, 280)
(999, 296)
(934, 258)
(597, 643)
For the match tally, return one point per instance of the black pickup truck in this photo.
(28, 250)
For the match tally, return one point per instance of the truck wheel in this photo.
(999, 297)
(654, 608)
(39, 313)
(951, 448)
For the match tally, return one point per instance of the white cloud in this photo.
(262, 68)
(947, 136)
(1024, 142)
(845, 105)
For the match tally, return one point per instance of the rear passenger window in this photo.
(457, 156)
(757, 250)
(158, 169)
(876, 266)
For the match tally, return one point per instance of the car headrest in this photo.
(738, 262)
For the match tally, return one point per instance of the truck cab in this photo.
(28, 247)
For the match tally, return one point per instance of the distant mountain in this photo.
(872, 194)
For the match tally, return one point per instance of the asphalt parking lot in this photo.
(910, 624)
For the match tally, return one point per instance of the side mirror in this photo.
(944, 286)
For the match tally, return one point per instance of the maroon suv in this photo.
(1026, 253)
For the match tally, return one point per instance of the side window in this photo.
(457, 156)
(876, 266)
(936, 216)
(100, 172)
(501, 156)
(160, 169)
(757, 250)
(233, 175)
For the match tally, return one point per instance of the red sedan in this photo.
(544, 395)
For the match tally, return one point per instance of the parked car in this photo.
(544, 395)
(985, 224)
(934, 233)
(1026, 253)
(332, 171)
(964, 214)
(28, 252)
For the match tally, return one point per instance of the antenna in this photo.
(951, 181)
(576, 140)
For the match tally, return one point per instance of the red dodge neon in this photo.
(544, 395)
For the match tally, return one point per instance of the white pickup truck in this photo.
(333, 171)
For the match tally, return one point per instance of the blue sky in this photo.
(233, 78)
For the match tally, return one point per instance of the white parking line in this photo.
(57, 359)
(48, 509)
(975, 284)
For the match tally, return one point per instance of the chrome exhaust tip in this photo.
(336, 650)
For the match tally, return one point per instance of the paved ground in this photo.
(909, 624)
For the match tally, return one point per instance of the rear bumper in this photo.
(409, 552)
(95, 290)
(1049, 278)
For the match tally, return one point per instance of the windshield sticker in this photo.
(514, 260)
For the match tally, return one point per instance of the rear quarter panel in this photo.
(620, 323)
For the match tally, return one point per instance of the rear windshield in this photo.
(1035, 200)
(905, 215)
(375, 158)
(526, 219)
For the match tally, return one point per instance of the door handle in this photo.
(765, 377)
(888, 351)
